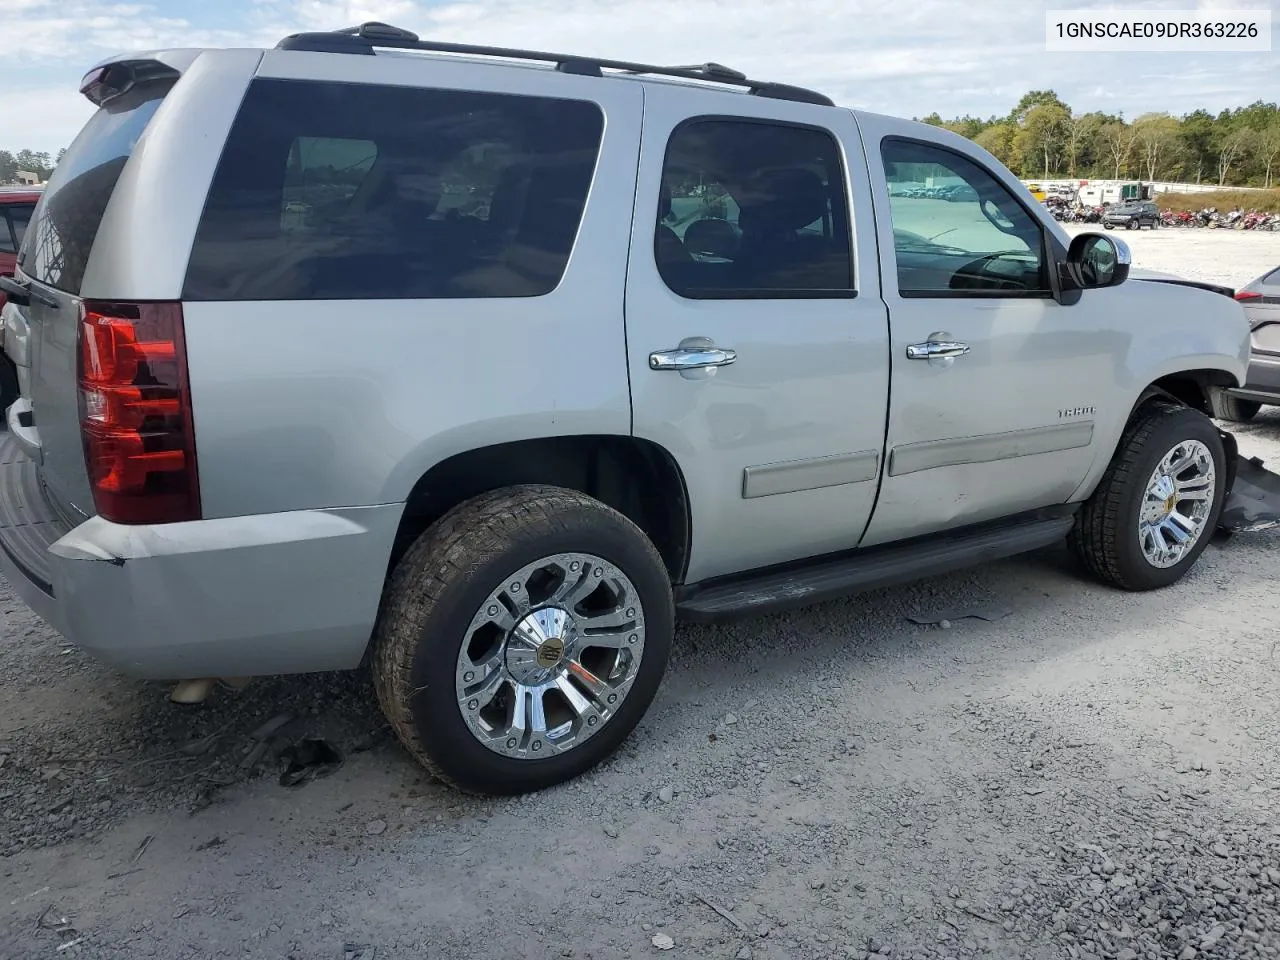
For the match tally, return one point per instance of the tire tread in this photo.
(1095, 536)
(467, 535)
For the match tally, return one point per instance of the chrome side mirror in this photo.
(1096, 260)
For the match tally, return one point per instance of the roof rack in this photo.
(363, 39)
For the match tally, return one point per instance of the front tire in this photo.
(522, 638)
(1154, 511)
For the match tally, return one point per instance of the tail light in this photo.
(135, 412)
(1246, 295)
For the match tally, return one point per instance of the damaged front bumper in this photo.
(1253, 499)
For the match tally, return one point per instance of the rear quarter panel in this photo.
(314, 404)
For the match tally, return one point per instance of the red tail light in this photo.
(135, 413)
(1244, 295)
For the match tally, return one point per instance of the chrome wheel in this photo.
(550, 656)
(1175, 509)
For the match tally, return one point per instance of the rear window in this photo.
(70, 211)
(333, 191)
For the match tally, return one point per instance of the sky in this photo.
(903, 58)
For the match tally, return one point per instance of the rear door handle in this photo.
(695, 356)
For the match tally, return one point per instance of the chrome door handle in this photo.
(694, 353)
(936, 349)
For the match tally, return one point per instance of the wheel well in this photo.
(637, 478)
(1191, 387)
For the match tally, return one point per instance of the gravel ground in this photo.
(1095, 774)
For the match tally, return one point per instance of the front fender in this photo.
(1173, 330)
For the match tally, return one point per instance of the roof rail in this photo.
(363, 39)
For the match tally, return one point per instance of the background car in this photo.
(1132, 216)
(16, 204)
(1261, 301)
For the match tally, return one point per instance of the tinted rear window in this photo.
(332, 191)
(70, 211)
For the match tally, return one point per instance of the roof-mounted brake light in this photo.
(103, 84)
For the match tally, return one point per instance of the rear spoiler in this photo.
(115, 76)
(1177, 281)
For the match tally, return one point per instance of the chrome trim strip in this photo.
(988, 448)
(792, 476)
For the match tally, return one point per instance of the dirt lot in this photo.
(1093, 775)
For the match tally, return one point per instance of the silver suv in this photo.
(487, 364)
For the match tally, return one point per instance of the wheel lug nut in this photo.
(631, 611)
(473, 704)
(511, 744)
(592, 721)
(515, 588)
(613, 698)
(468, 677)
(574, 565)
(537, 745)
(493, 610)
(598, 573)
(631, 639)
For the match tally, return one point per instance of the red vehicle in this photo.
(16, 204)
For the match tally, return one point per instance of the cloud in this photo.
(906, 59)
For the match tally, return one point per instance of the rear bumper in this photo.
(1262, 383)
(242, 596)
(1264, 374)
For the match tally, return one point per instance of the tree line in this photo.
(41, 163)
(1042, 137)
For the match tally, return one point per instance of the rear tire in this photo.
(1226, 407)
(492, 658)
(1158, 502)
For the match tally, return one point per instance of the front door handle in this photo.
(936, 350)
(694, 353)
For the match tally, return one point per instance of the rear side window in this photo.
(333, 191)
(753, 209)
(70, 211)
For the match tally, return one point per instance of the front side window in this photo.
(956, 230)
(346, 191)
(753, 209)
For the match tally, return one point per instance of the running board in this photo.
(795, 585)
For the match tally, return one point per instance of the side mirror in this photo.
(1096, 260)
